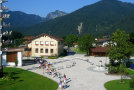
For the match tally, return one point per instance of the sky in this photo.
(43, 7)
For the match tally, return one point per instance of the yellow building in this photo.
(46, 45)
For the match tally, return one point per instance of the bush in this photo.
(8, 76)
(52, 57)
(113, 69)
(112, 63)
(132, 83)
(108, 65)
(16, 62)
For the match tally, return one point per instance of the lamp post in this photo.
(2, 8)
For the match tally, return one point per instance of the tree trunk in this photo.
(121, 78)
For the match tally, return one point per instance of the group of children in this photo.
(52, 71)
(62, 82)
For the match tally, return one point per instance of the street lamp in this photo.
(2, 8)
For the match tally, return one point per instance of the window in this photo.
(46, 43)
(36, 50)
(41, 42)
(52, 43)
(36, 43)
(51, 50)
(46, 50)
(41, 50)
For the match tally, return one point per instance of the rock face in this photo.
(53, 15)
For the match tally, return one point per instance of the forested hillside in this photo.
(101, 18)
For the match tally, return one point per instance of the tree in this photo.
(16, 35)
(70, 39)
(122, 71)
(120, 51)
(132, 35)
(123, 48)
(85, 43)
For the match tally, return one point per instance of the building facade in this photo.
(46, 45)
(98, 51)
(11, 55)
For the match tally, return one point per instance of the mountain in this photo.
(21, 19)
(55, 14)
(126, 24)
(100, 18)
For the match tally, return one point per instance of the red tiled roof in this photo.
(75, 43)
(51, 36)
(26, 42)
(28, 38)
(99, 49)
(103, 40)
(38, 36)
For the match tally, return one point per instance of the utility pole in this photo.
(2, 8)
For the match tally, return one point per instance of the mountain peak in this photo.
(55, 14)
(58, 11)
(110, 0)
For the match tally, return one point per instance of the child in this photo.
(55, 73)
(59, 79)
(64, 75)
(64, 80)
(60, 85)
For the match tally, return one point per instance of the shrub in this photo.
(112, 63)
(16, 62)
(132, 83)
(113, 69)
(108, 65)
(42, 57)
(52, 57)
(8, 76)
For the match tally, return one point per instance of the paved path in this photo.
(80, 76)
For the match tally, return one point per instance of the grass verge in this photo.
(116, 85)
(26, 80)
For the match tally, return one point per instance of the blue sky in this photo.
(43, 7)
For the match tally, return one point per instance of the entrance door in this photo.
(11, 56)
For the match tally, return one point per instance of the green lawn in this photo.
(115, 85)
(26, 80)
(77, 50)
(130, 72)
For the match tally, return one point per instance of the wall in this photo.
(55, 48)
(4, 59)
(5, 63)
(60, 48)
(19, 56)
